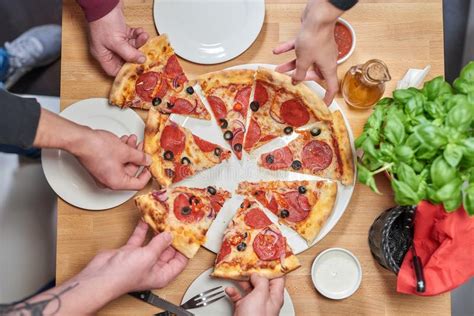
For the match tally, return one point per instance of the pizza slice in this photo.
(324, 150)
(159, 82)
(279, 107)
(253, 244)
(187, 213)
(302, 205)
(177, 153)
(228, 93)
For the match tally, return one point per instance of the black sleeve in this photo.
(19, 118)
(343, 4)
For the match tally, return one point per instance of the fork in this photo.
(202, 299)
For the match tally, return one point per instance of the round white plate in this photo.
(209, 31)
(66, 175)
(228, 175)
(223, 306)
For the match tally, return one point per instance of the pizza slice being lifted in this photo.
(177, 153)
(186, 213)
(324, 150)
(279, 107)
(302, 205)
(253, 244)
(159, 82)
(228, 93)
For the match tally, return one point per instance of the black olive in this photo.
(193, 200)
(245, 235)
(228, 135)
(242, 205)
(315, 131)
(288, 130)
(168, 155)
(217, 151)
(185, 161)
(296, 165)
(270, 159)
(301, 189)
(190, 90)
(156, 101)
(284, 213)
(241, 246)
(186, 210)
(223, 123)
(238, 147)
(169, 105)
(254, 106)
(211, 190)
(169, 173)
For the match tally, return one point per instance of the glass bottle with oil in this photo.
(364, 84)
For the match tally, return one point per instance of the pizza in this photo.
(228, 95)
(323, 150)
(160, 82)
(177, 153)
(187, 213)
(253, 244)
(302, 205)
(279, 107)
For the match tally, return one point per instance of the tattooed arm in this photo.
(110, 274)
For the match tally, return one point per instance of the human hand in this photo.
(315, 48)
(112, 41)
(113, 162)
(263, 297)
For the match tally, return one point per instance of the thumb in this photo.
(129, 53)
(300, 72)
(138, 157)
(259, 283)
(159, 243)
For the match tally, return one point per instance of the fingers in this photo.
(137, 157)
(302, 66)
(128, 52)
(168, 254)
(245, 286)
(284, 47)
(277, 287)
(332, 84)
(259, 283)
(233, 294)
(159, 243)
(291, 65)
(135, 183)
(138, 37)
(138, 236)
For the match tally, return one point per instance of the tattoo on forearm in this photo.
(52, 300)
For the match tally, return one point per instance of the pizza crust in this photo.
(345, 150)
(223, 78)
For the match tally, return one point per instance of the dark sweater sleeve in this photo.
(19, 119)
(95, 9)
(343, 4)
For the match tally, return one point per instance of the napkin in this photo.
(445, 244)
(413, 78)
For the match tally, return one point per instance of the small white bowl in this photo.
(353, 34)
(336, 273)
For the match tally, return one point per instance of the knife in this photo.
(155, 300)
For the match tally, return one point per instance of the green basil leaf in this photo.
(387, 152)
(441, 172)
(431, 194)
(434, 109)
(404, 194)
(460, 117)
(414, 105)
(384, 102)
(404, 153)
(450, 190)
(412, 141)
(426, 153)
(366, 177)
(453, 154)
(374, 135)
(417, 165)
(465, 82)
(453, 101)
(468, 155)
(394, 131)
(403, 95)
(436, 87)
(360, 140)
(469, 200)
(369, 148)
(375, 120)
(453, 204)
(406, 174)
(372, 163)
(430, 135)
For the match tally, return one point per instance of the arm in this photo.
(110, 274)
(315, 46)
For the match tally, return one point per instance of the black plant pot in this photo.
(391, 236)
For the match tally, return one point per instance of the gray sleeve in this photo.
(343, 4)
(19, 119)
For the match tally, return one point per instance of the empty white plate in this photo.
(66, 175)
(209, 31)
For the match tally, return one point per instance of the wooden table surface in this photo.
(403, 33)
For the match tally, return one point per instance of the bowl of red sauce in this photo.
(345, 39)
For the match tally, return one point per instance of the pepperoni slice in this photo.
(145, 85)
(225, 250)
(184, 211)
(238, 139)
(253, 134)
(267, 138)
(173, 139)
(217, 201)
(298, 206)
(181, 172)
(294, 113)
(204, 145)
(173, 68)
(269, 245)
(160, 91)
(217, 106)
(316, 155)
(273, 205)
(278, 159)
(183, 106)
(256, 218)
(243, 97)
(261, 95)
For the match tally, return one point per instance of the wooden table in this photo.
(403, 33)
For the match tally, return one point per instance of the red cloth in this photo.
(96, 9)
(445, 244)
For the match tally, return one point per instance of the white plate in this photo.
(66, 175)
(224, 306)
(228, 175)
(209, 31)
